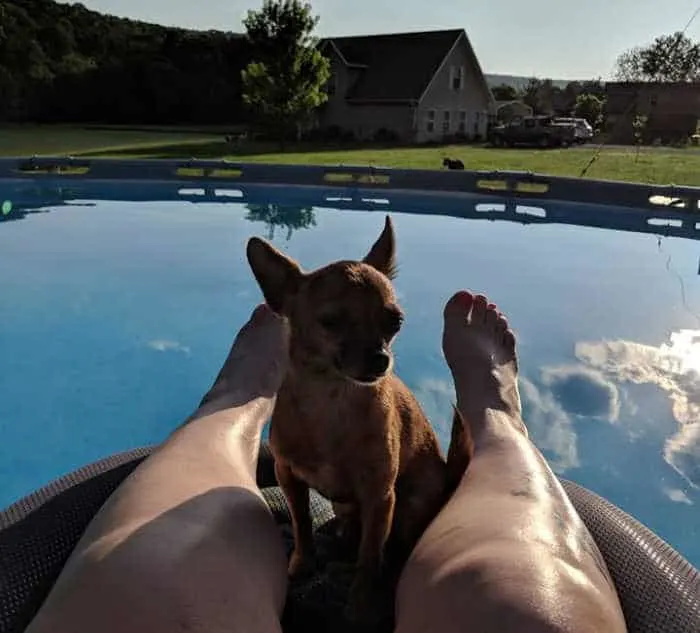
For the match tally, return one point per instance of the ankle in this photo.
(491, 422)
(221, 398)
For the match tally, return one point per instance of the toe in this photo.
(501, 324)
(459, 305)
(509, 341)
(479, 309)
(261, 310)
(491, 318)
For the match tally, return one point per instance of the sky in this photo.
(559, 39)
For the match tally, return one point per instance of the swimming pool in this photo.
(120, 301)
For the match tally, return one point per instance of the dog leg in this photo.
(377, 517)
(297, 493)
(417, 504)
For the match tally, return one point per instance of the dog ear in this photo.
(382, 255)
(277, 275)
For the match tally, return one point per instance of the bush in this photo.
(385, 135)
(329, 134)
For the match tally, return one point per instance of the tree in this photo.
(668, 58)
(628, 66)
(288, 216)
(286, 81)
(538, 94)
(590, 107)
(504, 92)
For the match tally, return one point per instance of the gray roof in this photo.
(393, 67)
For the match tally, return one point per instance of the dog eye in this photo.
(331, 322)
(393, 321)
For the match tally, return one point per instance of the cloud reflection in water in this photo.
(675, 368)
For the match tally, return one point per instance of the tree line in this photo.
(66, 63)
(584, 99)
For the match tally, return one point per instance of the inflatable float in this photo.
(659, 590)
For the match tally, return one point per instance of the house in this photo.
(507, 111)
(416, 87)
(670, 111)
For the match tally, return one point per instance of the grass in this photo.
(69, 140)
(659, 166)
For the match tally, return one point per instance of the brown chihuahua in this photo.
(343, 423)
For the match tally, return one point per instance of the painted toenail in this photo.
(465, 298)
(260, 310)
(491, 306)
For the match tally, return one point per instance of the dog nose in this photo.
(379, 363)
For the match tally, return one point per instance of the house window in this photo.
(430, 125)
(445, 121)
(457, 74)
(462, 127)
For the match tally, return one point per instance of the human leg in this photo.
(187, 542)
(508, 552)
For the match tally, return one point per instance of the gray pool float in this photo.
(659, 590)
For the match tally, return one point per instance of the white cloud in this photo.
(673, 367)
(437, 397)
(677, 495)
(682, 452)
(168, 346)
(549, 426)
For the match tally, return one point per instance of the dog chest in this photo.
(326, 479)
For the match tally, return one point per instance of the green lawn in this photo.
(661, 166)
(68, 140)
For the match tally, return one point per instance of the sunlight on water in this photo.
(686, 345)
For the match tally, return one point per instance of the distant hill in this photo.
(519, 82)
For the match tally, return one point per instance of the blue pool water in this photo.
(116, 316)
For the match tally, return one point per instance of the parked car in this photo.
(543, 131)
(584, 130)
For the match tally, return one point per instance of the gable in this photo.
(394, 67)
(460, 58)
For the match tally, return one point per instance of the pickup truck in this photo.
(543, 131)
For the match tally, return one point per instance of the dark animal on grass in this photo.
(453, 163)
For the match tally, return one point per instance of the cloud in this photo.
(583, 391)
(674, 494)
(682, 452)
(673, 367)
(168, 346)
(437, 397)
(550, 427)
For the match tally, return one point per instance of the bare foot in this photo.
(480, 352)
(256, 363)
